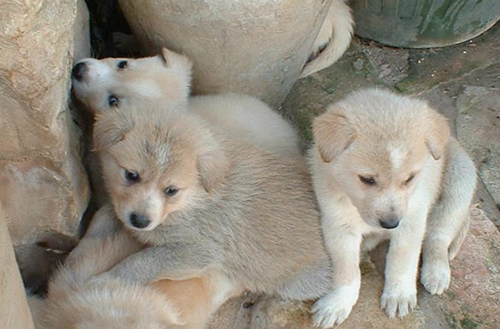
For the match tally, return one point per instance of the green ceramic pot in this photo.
(424, 23)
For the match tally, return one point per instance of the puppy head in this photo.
(119, 83)
(374, 145)
(154, 164)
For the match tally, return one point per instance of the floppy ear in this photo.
(332, 133)
(438, 134)
(109, 129)
(212, 163)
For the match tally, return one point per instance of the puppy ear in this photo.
(332, 133)
(171, 58)
(165, 55)
(438, 134)
(212, 163)
(109, 129)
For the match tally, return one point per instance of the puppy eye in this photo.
(171, 190)
(122, 64)
(113, 101)
(410, 178)
(131, 176)
(367, 180)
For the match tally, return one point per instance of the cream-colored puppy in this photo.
(385, 166)
(164, 81)
(210, 204)
(75, 301)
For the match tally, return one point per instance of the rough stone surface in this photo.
(81, 47)
(14, 312)
(44, 186)
(479, 130)
(254, 47)
(431, 67)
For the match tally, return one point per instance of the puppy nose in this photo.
(389, 223)
(139, 221)
(79, 71)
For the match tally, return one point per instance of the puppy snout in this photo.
(390, 222)
(139, 221)
(79, 71)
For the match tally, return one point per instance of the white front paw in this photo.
(435, 277)
(399, 299)
(333, 308)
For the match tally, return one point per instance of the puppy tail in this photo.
(339, 19)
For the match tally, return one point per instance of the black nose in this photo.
(79, 71)
(389, 223)
(139, 221)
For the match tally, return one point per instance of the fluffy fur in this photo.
(385, 166)
(75, 301)
(164, 81)
(333, 39)
(237, 210)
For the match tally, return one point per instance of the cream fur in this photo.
(76, 301)
(239, 211)
(423, 183)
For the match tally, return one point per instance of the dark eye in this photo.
(171, 191)
(131, 176)
(410, 178)
(113, 101)
(367, 180)
(122, 64)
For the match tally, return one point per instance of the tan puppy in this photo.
(385, 167)
(74, 301)
(125, 83)
(333, 39)
(210, 205)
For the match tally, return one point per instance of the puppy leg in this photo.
(448, 221)
(343, 247)
(400, 289)
(157, 263)
(103, 225)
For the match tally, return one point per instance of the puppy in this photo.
(333, 38)
(164, 81)
(385, 166)
(75, 301)
(208, 204)
(122, 82)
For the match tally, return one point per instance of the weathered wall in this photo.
(43, 185)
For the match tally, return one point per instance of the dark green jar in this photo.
(424, 23)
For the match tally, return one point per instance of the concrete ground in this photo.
(463, 83)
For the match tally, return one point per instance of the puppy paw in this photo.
(398, 300)
(435, 277)
(333, 308)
